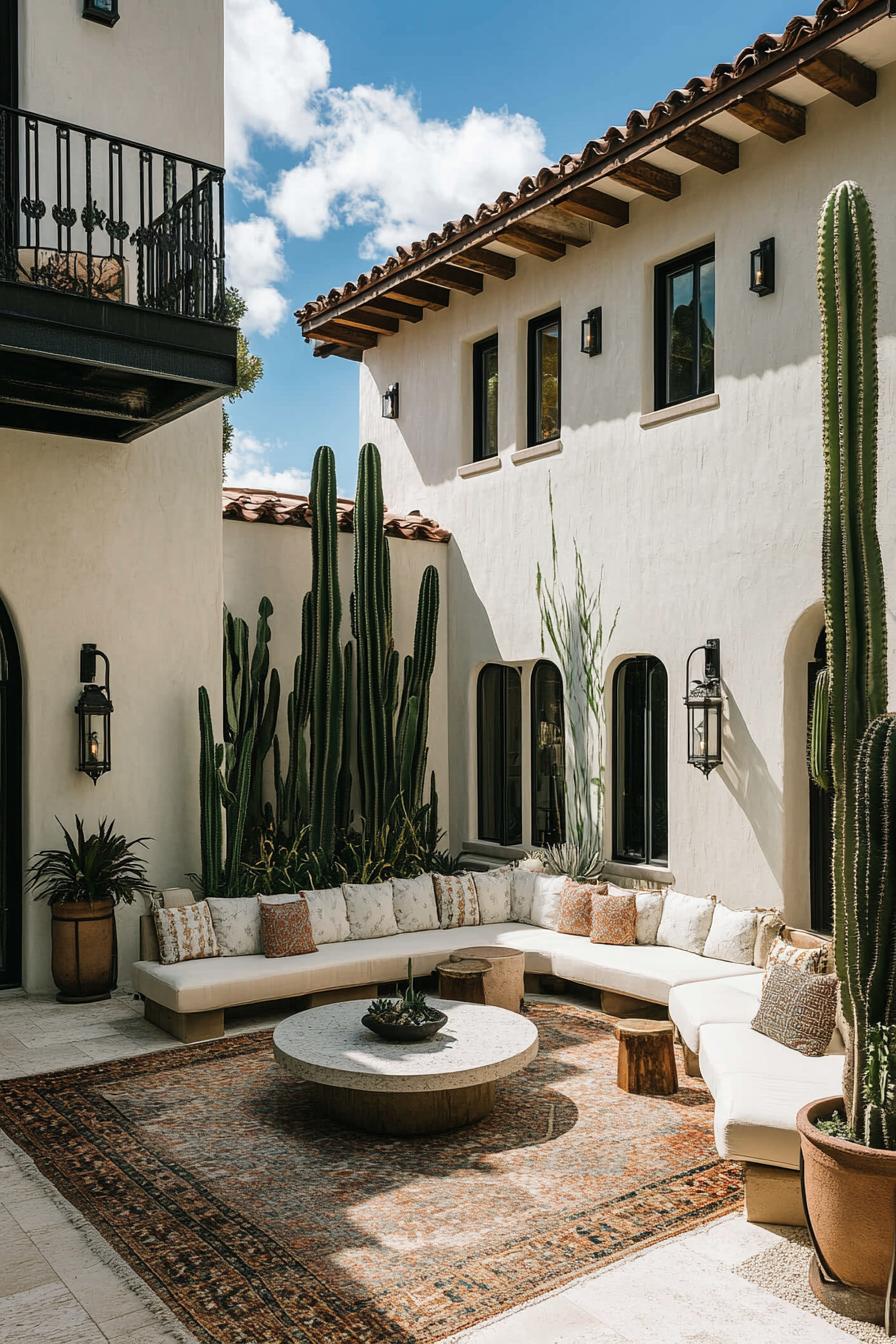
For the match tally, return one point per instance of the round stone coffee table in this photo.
(388, 1088)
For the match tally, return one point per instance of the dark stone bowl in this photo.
(395, 1031)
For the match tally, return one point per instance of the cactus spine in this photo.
(326, 672)
(864, 884)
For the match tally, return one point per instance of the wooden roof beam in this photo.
(708, 148)
(490, 263)
(776, 117)
(324, 349)
(838, 72)
(534, 241)
(588, 203)
(640, 175)
(423, 293)
(369, 321)
(457, 277)
(345, 334)
(407, 312)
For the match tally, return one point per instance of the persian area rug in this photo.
(256, 1222)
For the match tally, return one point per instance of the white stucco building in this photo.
(685, 458)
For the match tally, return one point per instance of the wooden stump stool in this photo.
(504, 983)
(463, 979)
(646, 1057)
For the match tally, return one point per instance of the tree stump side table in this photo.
(502, 983)
(646, 1057)
(462, 978)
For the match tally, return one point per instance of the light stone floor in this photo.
(60, 1284)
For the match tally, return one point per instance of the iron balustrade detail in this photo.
(107, 218)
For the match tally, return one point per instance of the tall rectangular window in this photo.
(640, 791)
(543, 378)
(485, 398)
(500, 754)
(685, 317)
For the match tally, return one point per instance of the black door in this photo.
(9, 53)
(9, 97)
(821, 820)
(10, 805)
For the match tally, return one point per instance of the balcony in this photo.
(112, 293)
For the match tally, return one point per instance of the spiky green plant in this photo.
(863, 761)
(327, 668)
(98, 867)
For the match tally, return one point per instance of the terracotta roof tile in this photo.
(765, 47)
(266, 506)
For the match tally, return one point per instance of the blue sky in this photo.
(368, 111)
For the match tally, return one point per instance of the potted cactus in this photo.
(849, 1144)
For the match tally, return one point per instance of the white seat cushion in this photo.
(733, 999)
(759, 1086)
(642, 972)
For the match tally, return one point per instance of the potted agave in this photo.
(849, 1144)
(408, 1017)
(83, 883)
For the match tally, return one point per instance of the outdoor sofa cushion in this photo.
(694, 1005)
(641, 972)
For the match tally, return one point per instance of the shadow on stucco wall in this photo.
(748, 779)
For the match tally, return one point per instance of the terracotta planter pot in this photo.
(84, 950)
(850, 1196)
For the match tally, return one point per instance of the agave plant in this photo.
(582, 860)
(98, 867)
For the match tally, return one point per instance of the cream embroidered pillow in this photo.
(456, 900)
(685, 921)
(732, 936)
(326, 910)
(546, 892)
(369, 909)
(185, 933)
(414, 902)
(493, 892)
(650, 911)
(522, 886)
(237, 922)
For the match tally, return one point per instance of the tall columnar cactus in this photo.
(327, 668)
(418, 677)
(372, 622)
(855, 621)
(209, 799)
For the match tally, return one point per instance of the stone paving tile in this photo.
(47, 1315)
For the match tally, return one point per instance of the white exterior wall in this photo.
(261, 559)
(118, 544)
(708, 525)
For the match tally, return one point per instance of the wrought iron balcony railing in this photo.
(96, 215)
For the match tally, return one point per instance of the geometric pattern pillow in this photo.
(783, 953)
(286, 928)
(797, 1009)
(614, 918)
(185, 934)
(456, 900)
(576, 900)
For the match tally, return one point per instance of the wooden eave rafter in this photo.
(748, 98)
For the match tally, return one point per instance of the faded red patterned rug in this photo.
(257, 1223)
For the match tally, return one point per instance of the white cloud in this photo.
(255, 263)
(249, 466)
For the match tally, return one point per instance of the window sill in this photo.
(537, 450)
(642, 872)
(710, 403)
(490, 849)
(479, 468)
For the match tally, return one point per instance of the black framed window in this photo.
(485, 398)
(543, 378)
(499, 754)
(10, 805)
(685, 317)
(548, 756)
(640, 736)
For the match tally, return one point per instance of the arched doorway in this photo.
(10, 804)
(821, 819)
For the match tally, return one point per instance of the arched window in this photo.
(548, 756)
(10, 805)
(500, 748)
(640, 791)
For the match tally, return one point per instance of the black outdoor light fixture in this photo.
(704, 705)
(592, 332)
(762, 268)
(102, 11)
(94, 709)
(390, 402)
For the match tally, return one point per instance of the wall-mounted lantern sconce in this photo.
(102, 11)
(94, 709)
(704, 705)
(592, 332)
(390, 402)
(762, 268)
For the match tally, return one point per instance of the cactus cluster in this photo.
(852, 700)
(344, 706)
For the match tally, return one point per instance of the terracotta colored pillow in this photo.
(576, 900)
(286, 928)
(614, 918)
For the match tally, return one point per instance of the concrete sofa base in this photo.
(187, 1027)
(773, 1195)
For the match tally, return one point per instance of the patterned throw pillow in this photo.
(783, 953)
(414, 902)
(456, 900)
(574, 915)
(369, 908)
(185, 933)
(521, 890)
(237, 922)
(494, 891)
(286, 927)
(796, 1009)
(685, 921)
(769, 923)
(614, 918)
(329, 921)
